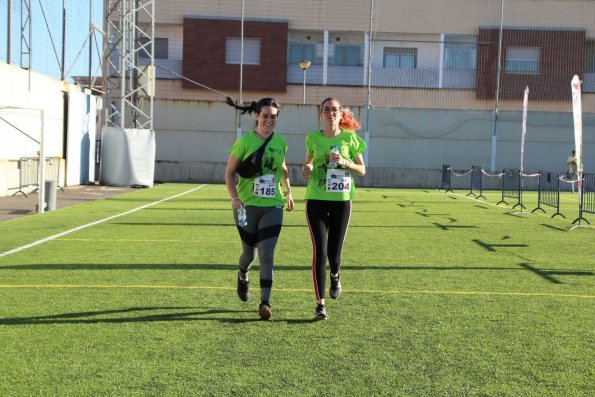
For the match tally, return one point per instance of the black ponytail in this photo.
(254, 106)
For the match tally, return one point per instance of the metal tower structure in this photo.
(26, 33)
(129, 63)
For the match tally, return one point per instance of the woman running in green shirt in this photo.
(261, 198)
(333, 155)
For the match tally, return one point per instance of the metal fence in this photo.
(476, 189)
(511, 187)
(446, 178)
(548, 192)
(29, 173)
(587, 202)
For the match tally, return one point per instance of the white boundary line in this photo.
(76, 229)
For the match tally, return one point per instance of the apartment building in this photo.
(434, 78)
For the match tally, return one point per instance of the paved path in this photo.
(16, 206)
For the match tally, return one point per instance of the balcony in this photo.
(384, 77)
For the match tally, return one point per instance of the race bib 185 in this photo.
(265, 186)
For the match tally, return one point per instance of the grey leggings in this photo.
(260, 236)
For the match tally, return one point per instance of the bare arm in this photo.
(287, 187)
(307, 168)
(357, 166)
(230, 181)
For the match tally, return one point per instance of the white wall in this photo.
(22, 96)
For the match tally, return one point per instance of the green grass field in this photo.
(442, 296)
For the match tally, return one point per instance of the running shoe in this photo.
(335, 289)
(320, 313)
(264, 310)
(243, 291)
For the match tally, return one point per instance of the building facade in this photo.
(432, 82)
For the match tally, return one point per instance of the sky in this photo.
(46, 41)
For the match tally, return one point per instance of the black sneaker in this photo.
(264, 310)
(335, 290)
(243, 291)
(320, 313)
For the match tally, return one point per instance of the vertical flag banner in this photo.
(577, 111)
(524, 131)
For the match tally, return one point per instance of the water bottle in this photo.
(242, 220)
(332, 164)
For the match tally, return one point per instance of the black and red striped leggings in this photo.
(328, 222)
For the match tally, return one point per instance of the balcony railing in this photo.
(384, 77)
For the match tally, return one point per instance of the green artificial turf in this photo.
(443, 295)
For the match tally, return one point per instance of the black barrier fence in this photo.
(587, 202)
(476, 189)
(511, 187)
(548, 192)
(446, 178)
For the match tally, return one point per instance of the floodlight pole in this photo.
(8, 29)
(496, 110)
(240, 100)
(369, 84)
(41, 184)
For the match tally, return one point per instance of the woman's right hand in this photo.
(236, 203)
(307, 170)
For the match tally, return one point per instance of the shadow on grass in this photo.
(207, 266)
(304, 226)
(255, 268)
(92, 317)
(548, 274)
(492, 247)
(554, 227)
(175, 313)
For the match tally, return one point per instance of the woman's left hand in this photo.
(290, 203)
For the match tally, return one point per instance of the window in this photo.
(522, 60)
(400, 58)
(345, 55)
(298, 52)
(233, 47)
(590, 56)
(161, 48)
(460, 52)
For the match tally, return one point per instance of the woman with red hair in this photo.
(333, 155)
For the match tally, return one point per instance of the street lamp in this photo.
(304, 64)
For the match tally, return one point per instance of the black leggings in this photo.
(328, 222)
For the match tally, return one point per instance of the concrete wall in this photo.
(22, 96)
(407, 146)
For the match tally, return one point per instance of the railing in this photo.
(549, 191)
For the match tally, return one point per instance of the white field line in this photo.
(76, 229)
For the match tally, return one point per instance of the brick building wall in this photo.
(204, 54)
(561, 57)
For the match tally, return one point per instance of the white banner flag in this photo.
(524, 131)
(577, 111)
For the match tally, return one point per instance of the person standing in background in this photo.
(571, 164)
(333, 155)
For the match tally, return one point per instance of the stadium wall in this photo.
(407, 146)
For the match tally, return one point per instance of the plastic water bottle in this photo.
(242, 220)
(332, 164)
